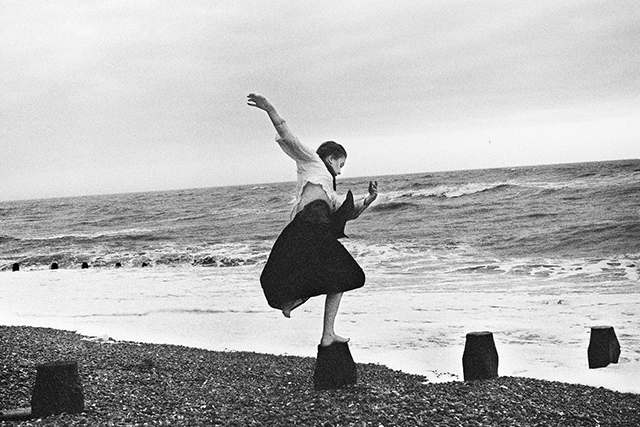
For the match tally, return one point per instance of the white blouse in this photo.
(310, 169)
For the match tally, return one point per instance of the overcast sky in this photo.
(121, 96)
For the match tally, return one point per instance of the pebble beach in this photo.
(129, 384)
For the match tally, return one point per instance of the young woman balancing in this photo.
(307, 259)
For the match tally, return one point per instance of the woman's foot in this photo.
(332, 339)
(289, 306)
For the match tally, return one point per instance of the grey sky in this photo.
(115, 96)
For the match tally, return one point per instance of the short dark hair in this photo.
(331, 148)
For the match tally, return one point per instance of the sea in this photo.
(537, 255)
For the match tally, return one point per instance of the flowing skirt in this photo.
(308, 260)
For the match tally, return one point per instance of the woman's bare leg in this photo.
(331, 306)
(289, 306)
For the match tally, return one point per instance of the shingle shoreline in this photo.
(127, 384)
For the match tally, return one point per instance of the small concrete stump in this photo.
(57, 389)
(54, 265)
(15, 267)
(604, 347)
(480, 357)
(335, 367)
(85, 265)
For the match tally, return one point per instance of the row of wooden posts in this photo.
(54, 266)
(58, 388)
(335, 366)
(480, 357)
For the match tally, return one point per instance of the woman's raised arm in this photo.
(262, 103)
(287, 140)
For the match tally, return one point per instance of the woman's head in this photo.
(333, 155)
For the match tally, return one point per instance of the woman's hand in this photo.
(260, 102)
(364, 203)
(373, 193)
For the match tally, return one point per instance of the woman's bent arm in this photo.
(365, 202)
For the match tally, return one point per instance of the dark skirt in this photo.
(308, 260)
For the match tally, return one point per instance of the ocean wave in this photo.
(613, 180)
(607, 238)
(631, 190)
(131, 233)
(4, 238)
(587, 175)
(421, 185)
(275, 199)
(222, 261)
(536, 215)
(187, 218)
(392, 206)
(449, 191)
(585, 270)
(222, 255)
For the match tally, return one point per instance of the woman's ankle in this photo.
(329, 339)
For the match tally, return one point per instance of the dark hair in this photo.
(331, 148)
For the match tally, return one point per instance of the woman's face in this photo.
(336, 163)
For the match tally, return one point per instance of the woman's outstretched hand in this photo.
(373, 193)
(259, 101)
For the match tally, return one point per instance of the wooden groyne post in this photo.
(335, 367)
(57, 389)
(480, 357)
(604, 347)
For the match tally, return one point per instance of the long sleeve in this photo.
(292, 146)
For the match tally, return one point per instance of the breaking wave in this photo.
(449, 191)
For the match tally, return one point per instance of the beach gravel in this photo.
(134, 384)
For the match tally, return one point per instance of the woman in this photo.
(307, 259)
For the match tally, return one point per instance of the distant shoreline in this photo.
(127, 383)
